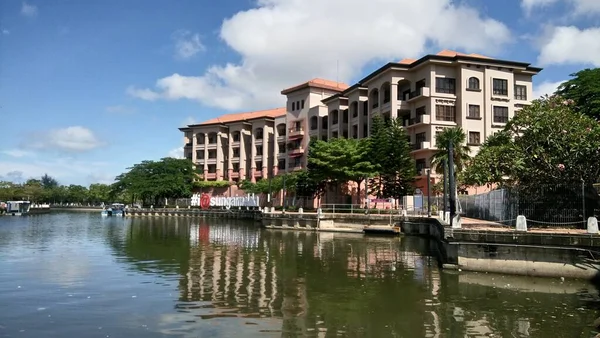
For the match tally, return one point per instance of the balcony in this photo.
(295, 167)
(296, 133)
(200, 161)
(417, 94)
(258, 173)
(423, 145)
(296, 152)
(235, 174)
(403, 104)
(420, 119)
(281, 138)
(211, 176)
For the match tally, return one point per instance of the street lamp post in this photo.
(428, 192)
(452, 183)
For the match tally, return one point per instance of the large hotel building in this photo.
(448, 89)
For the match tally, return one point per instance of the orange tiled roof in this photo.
(318, 83)
(228, 118)
(448, 53)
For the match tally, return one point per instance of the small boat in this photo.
(115, 209)
(18, 208)
(39, 209)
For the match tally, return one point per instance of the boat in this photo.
(39, 209)
(18, 208)
(115, 209)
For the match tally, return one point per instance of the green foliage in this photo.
(211, 184)
(340, 160)
(155, 180)
(548, 142)
(47, 190)
(584, 90)
(461, 151)
(390, 154)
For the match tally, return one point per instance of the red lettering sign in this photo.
(205, 201)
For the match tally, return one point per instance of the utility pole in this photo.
(428, 192)
(445, 188)
(452, 184)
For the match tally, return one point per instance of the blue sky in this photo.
(88, 88)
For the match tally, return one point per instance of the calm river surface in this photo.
(78, 275)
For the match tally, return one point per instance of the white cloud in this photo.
(579, 7)
(120, 109)
(546, 87)
(72, 139)
(176, 153)
(16, 153)
(571, 45)
(5, 31)
(189, 120)
(187, 44)
(284, 42)
(67, 170)
(29, 10)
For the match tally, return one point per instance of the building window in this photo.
(281, 148)
(473, 83)
(366, 108)
(335, 116)
(293, 106)
(365, 130)
(445, 85)
(212, 154)
(314, 123)
(281, 164)
(520, 92)
(212, 138)
(302, 104)
(259, 134)
(236, 136)
(355, 131)
(474, 138)
(334, 134)
(474, 111)
(445, 113)
(259, 150)
(200, 154)
(421, 164)
(212, 168)
(345, 134)
(500, 87)
(258, 165)
(500, 114)
(236, 152)
(236, 167)
(345, 116)
(419, 138)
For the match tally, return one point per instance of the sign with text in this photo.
(205, 201)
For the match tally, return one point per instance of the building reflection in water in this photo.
(318, 284)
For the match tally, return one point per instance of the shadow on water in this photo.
(154, 277)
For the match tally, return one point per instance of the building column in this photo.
(252, 156)
(219, 157)
(393, 100)
(243, 160)
(265, 152)
(205, 156)
(194, 144)
(229, 155)
(275, 153)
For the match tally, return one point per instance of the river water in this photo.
(79, 275)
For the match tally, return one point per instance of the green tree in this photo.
(49, 182)
(340, 160)
(584, 90)
(77, 193)
(462, 152)
(390, 153)
(548, 143)
(153, 181)
(98, 193)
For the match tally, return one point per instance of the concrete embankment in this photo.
(230, 214)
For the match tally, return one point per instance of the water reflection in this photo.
(184, 278)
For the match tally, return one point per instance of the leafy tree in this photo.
(340, 160)
(461, 150)
(49, 182)
(390, 154)
(98, 193)
(584, 90)
(548, 143)
(153, 181)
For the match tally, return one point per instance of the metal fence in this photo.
(566, 205)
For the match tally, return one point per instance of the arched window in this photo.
(314, 123)
(473, 83)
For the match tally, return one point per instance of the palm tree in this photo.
(460, 149)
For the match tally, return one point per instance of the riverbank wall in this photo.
(242, 214)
